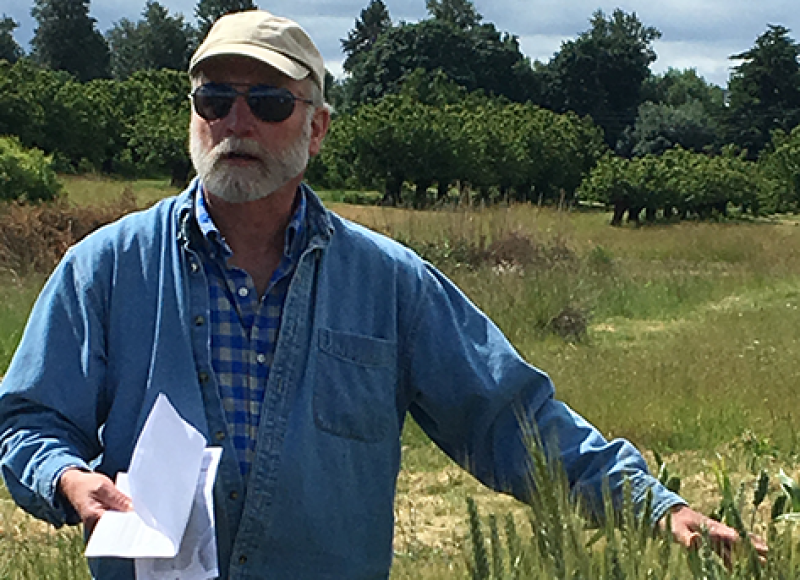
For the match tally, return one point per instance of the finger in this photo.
(110, 497)
(688, 538)
(720, 533)
(759, 544)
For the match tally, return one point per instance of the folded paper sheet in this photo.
(170, 481)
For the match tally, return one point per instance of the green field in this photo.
(682, 338)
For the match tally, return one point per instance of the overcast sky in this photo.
(698, 34)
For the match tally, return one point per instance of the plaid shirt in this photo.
(244, 326)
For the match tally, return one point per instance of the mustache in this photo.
(237, 146)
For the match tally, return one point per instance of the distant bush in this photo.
(26, 174)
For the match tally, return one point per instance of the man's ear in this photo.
(320, 123)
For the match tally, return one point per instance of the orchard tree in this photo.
(157, 136)
(66, 39)
(9, 49)
(780, 163)
(208, 11)
(764, 91)
(460, 13)
(373, 21)
(156, 42)
(601, 72)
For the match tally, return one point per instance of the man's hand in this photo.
(687, 527)
(92, 494)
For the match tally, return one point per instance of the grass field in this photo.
(682, 338)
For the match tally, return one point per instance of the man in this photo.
(293, 339)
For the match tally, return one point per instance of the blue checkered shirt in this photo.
(244, 326)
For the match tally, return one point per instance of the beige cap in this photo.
(279, 42)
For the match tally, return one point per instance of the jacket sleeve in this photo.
(480, 402)
(50, 399)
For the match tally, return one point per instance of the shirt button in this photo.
(234, 495)
(219, 435)
(243, 291)
(199, 321)
(195, 268)
(261, 358)
(243, 559)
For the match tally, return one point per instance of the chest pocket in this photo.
(354, 393)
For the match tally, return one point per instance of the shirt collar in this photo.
(294, 239)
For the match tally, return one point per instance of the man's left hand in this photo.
(687, 529)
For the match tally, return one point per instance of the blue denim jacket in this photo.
(369, 333)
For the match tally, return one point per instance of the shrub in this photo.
(26, 174)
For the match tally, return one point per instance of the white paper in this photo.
(197, 557)
(164, 476)
(164, 469)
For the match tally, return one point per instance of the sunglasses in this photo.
(213, 101)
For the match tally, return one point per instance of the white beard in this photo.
(237, 184)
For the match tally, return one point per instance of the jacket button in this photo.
(234, 495)
(203, 376)
(199, 320)
(219, 435)
(194, 267)
(243, 559)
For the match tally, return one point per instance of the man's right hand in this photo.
(91, 495)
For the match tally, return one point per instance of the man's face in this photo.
(241, 158)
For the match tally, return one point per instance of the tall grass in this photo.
(680, 338)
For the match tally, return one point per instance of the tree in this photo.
(9, 49)
(66, 39)
(660, 127)
(460, 13)
(780, 163)
(479, 58)
(156, 42)
(601, 72)
(373, 21)
(678, 87)
(157, 138)
(208, 11)
(764, 91)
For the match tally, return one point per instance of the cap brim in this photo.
(286, 65)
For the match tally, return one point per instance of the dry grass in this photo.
(34, 237)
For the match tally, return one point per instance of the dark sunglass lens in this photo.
(271, 105)
(213, 103)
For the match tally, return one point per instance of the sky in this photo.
(699, 34)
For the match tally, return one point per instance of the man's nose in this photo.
(240, 119)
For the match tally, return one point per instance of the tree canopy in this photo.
(9, 49)
(155, 42)
(460, 13)
(764, 90)
(479, 58)
(208, 11)
(373, 21)
(601, 72)
(66, 39)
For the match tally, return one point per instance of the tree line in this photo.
(448, 105)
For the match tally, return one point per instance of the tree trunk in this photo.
(619, 212)
(442, 188)
(392, 194)
(421, 194)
